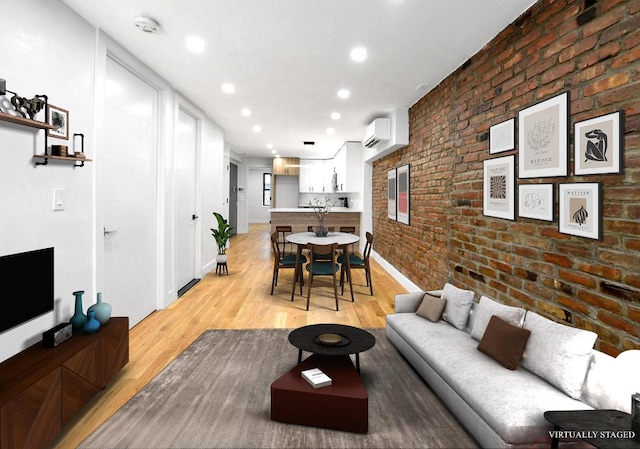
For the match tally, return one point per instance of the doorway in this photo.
(233, 197)
(127, 180)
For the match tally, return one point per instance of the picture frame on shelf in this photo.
(581, 209)
(403, 203)
(502, 136)
(499, 187)
(60, 118)
(536, 201)
(598, 143)
(543, 138)
(391, 194)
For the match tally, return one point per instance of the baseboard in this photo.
(401, 278)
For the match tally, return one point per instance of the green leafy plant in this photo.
(222, 234)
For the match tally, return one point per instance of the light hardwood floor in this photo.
(240, 300)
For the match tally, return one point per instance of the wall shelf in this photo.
(25, 121)
(75, 160)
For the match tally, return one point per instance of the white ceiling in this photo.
(288, 58)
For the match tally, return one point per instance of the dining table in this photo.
(302, 239)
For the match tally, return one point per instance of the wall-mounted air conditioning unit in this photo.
(379, 131)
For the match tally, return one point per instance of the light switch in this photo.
(58, 199)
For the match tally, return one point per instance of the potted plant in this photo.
(321, 210)
(221, 235)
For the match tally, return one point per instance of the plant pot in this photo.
(221, 258)
(321, 230)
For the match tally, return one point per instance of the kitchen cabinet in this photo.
(289, 166)
(314, 177)
(349, 167)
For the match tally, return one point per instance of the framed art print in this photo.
(403, 194)
(60, 118)
(536, 201)
(598, 145)
(543, 138)
(498, 188)
(501, 136)
(391, 194)
(581, 209)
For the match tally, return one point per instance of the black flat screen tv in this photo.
(26, 287)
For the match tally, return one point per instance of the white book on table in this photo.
(316, 378)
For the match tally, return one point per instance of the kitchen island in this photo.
(301, 217)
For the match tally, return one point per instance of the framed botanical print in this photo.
(536, 201)
(403, 194)
(391, 194)
(502, 137)
(581, 209)
(543, 138)
(498, 188)
(597, 147)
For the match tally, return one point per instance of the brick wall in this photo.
(590, 51)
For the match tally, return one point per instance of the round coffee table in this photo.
(341, 340)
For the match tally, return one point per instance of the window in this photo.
(266, 189)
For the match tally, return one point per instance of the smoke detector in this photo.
(146, 24)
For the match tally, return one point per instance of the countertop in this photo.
(309, 210)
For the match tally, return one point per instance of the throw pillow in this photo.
(504, 342)
(431, 307)
(559, 354)
(458, 305)
(488, 308)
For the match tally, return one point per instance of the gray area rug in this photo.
(216, 394)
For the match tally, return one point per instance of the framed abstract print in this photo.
(498, 187)
(581, 209)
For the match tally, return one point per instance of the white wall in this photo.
(62, 56)
(257, 213)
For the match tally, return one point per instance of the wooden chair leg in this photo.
(273, 279)
(335, 289)
(301, 276)
(370, 281)
(309, 290)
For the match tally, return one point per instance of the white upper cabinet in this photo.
(313, 176)
(349, 167)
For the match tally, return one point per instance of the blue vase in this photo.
(92, 325)
(102, 310)
(79, 318)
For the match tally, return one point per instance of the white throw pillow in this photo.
(459, 302)
(559, 354)
(611, 381)
(487, 308)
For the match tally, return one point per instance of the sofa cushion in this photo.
(559, 354)
(504, 342)
(458, 305)
(511, 402)
(611, 381)
(487, 308)
(431, 307)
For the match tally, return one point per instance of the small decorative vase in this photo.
(79, 318)
(92, 325)
(321, 230)
(102, 310)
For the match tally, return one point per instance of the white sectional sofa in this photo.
(500, 407)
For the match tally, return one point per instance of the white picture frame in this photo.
(499, 187)
(536, 201)
(502, 136)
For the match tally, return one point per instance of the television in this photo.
(26, 287)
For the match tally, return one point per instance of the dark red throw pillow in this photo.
(504, 342)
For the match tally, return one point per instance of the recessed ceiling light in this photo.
(245, 112)
(228, 88)
(256, 128)
(331, 131)
(146, 24)
(277, 156)
(343, 93)
(335, 115)
(195, 44)
(269, 146)
(359, 54)
(274, 151)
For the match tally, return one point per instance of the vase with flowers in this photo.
(320, 210)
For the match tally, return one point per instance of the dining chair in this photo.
(326, 266)
(283, 231)
(281, 262)
(312, 229)
(349, 230)
(358, 263)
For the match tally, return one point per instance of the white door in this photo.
(186, 216)
(127, 179)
